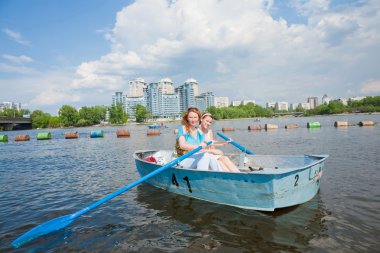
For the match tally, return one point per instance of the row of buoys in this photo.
(4, 138)
(68, 135)
(314, 124)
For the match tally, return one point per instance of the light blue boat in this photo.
(266, 182)
(156, 126)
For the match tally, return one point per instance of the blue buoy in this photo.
(97, 134)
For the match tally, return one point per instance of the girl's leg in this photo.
(229, 164)
(222, 165)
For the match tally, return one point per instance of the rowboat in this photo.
(156, 126)
(265, 182)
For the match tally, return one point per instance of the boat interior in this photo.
(246, 163)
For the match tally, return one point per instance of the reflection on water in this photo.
(223, 228)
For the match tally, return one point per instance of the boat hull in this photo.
(264, 188)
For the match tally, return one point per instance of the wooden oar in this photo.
(235, 144)
(63, 221)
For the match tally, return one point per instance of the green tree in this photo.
(118, 114)
(68, 115)
(141, 113)
(40, 119)
(54, 122)
(91, 115)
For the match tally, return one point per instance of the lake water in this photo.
(41, 180)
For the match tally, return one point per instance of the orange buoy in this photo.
(254, 127)
(153, 132)
(270, 126)
(22, 137)
(71, 135)
(290, 126)
(366, 123)
(123, 133)
(225, 129)
(341, 124)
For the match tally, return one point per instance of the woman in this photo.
(190, 137)
(225, 163)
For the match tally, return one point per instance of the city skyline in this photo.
(80, 52)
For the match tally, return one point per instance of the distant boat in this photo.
(266, 182)
(157, 126)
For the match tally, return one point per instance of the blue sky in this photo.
(80, 52)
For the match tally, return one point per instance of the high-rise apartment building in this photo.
(118, 97)
(132, 102)
(313, 101)
(162, 102)
(166, 86)
(194, 85)
(204, 100)
(186, 96)
(136, 87)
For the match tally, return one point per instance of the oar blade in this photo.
(43, 229)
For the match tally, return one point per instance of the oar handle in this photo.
(235, 144)
(139, 181)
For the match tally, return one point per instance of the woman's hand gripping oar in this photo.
(63, 221)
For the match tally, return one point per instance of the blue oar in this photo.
(63, 221)
(235, 144)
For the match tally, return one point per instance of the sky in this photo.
(80, 52)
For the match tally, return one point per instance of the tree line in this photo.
(69, 116)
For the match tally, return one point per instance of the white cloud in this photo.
(16, 36)
(7, 68)
(371, 88)
(226, 42)
(53, 95)
(17, 59)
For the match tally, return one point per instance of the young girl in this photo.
(225, 163)
(190, 137)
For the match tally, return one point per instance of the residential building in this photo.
(282, 106)
(204, 100)
(118, 97)
(236, 103)
(132, 102)
(305, 106)
(342, 100)
(194, 85)
(136, 87)
(248, 101)
(326, 99)
(357, 98)
(166, 86)
(222, 102)
(10, 105)
(271, 105)
(160, 102)
(313, 101)
(186, 96)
